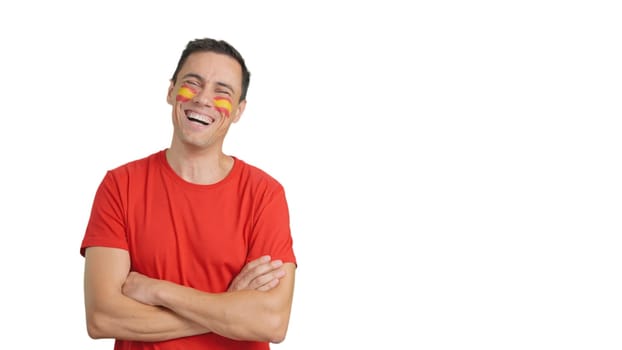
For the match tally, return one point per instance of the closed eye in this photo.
(224, 88)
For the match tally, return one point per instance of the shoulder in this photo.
(136, 168)
(139, 164)
(257, 176)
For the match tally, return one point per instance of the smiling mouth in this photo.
(199, 118)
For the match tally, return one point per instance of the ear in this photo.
(170, 98)
(238, 112)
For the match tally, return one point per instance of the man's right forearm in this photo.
(110, 314)
(130, 320)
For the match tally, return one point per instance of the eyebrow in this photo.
(193, 75)
(227, 86)
(200, 78)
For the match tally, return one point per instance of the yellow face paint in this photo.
(186, 93)
(223, 105)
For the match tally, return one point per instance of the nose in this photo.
(203, 97)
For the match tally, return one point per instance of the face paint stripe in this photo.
(223, 105)
(223, 111)
(185, 93)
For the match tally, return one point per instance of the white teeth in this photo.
(200, 117)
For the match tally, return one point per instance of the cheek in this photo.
(185, 93)
(223, 105)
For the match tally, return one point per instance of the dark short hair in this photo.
(217, 46)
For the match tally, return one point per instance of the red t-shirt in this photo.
(198, 236)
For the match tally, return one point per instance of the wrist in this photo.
(163, 293)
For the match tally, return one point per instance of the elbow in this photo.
(278, 322)
(95, 326)
(278, 329)
(94, 333)
(277, 338)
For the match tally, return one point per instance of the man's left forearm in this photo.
(241, 315)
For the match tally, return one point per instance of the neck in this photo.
(201, 167)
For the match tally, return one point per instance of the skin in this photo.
(196, 150)
(241, 315)
(112, 314)
(127, 305)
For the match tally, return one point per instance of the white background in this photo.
(453, 167)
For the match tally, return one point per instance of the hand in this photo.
(260, 274)
(141, 288)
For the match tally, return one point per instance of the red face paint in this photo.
(223, 105)
(186, 93)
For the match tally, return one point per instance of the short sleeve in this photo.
(107, 225)
(271, 234)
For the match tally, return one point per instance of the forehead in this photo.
(213, 66)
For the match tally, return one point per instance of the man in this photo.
(190, 248)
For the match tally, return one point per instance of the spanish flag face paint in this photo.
(186, 93)
(223, 105)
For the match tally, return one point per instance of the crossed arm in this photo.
(127, 305)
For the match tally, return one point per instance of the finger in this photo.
(249, 272)
(265, 268)
(254, 263)
(246, 277)
(266, 278)
(266, 287)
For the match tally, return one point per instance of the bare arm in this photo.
(241, 315)
(110, 314)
